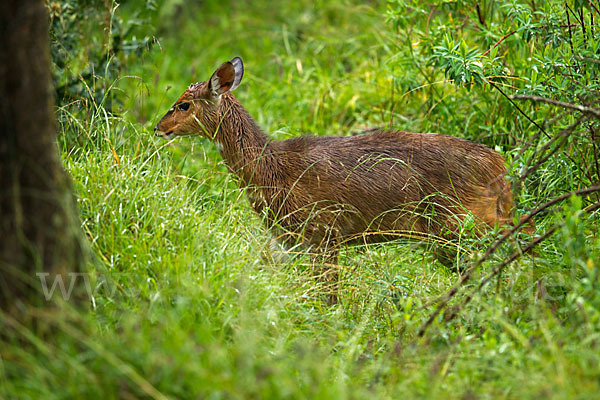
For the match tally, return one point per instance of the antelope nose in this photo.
(156, 131)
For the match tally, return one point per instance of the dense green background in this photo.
(185, 302)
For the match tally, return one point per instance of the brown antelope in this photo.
(326, 191)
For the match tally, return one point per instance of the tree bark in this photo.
(39, 226)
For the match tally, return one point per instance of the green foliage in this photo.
(91, 45)
(185, 301)
(460, 64)
(492, 50)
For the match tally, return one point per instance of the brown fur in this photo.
(322, 191)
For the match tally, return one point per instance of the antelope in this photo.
(322, 192)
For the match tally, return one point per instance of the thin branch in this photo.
(586, 110)
(480, 16)
(582, 20)
(429, 20)
(561, 135)
(492, 248)
(519, 109)
(592, 19)
(498, 42)
(587, 59)
(591, 3)
(593, 133)
(567, 9)
(498, 269)
(569, 25)
(534, 139)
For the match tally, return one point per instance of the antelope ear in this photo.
(227, 77)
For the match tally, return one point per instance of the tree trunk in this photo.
(39, 226)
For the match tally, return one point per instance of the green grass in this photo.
(186, 304)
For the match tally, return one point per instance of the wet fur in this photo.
(323, 191)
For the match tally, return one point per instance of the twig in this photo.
(492, 248)
(562, 134)
(569, 25)
(586, 110)
(592, 18)
(498, 269)
(519, 109)
(593, 132)
(535, 137)
(429, 20)
(587, 59)
(570, 34)
(498, 42)
(594, 6)
(582, 20)
(480, 17)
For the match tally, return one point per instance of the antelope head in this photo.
(196, 112)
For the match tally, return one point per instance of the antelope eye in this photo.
(183, 106)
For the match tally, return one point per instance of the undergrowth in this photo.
(185, 301)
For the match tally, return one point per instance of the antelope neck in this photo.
(245, 147)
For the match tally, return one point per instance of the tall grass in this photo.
(186, 302)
